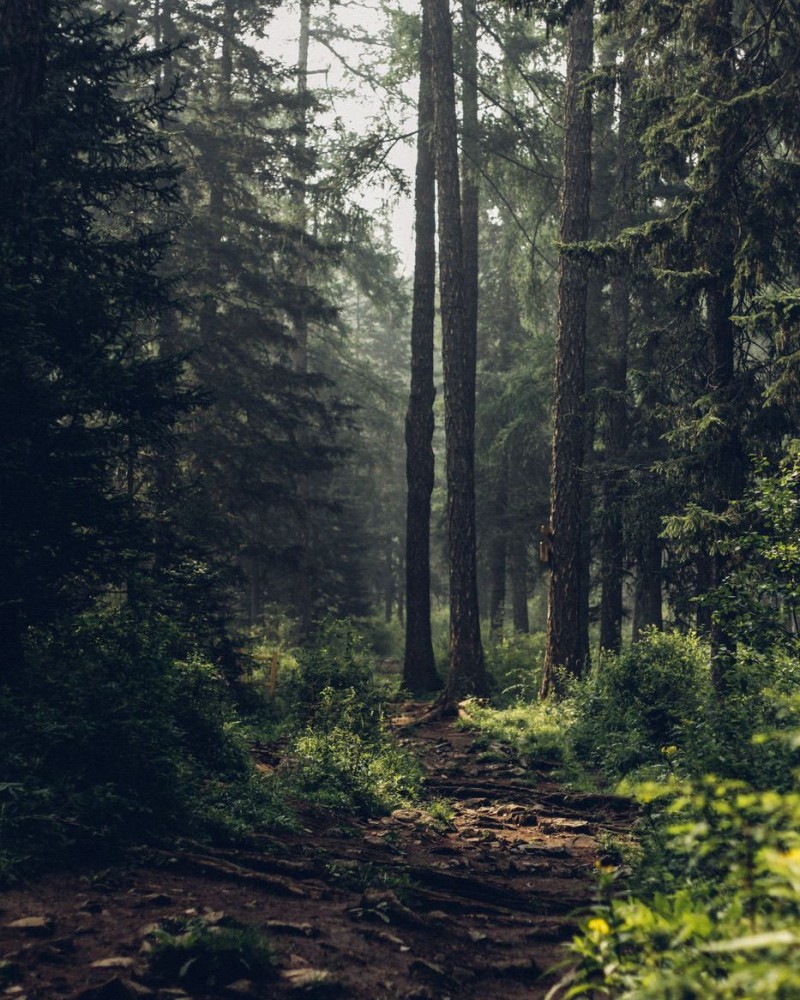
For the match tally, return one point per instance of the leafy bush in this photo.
(633, 704)
(109, 735)
(515, 665)
(342, 763)
(722, 919)
(760, 698)
(338, 663)
(758, 603)
(269, 709)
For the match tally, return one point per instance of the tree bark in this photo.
(470, 167)
(467, 674)
(565, 650)
(497, 574)
(612, 549)
(388, 583)
(518, 572)
(301, 587)
(647, 597)
(419, 666)
(726, 463)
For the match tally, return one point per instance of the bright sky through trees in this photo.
(335, 70)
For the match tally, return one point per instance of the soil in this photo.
(405, 906)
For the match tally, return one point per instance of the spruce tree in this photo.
(88, 192)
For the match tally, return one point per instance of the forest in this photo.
(400, 499)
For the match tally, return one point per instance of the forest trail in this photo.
(400, 907)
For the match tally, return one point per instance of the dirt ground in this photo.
(401, 907)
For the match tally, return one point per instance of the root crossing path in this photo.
(408, 906)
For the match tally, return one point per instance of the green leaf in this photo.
(750, 942)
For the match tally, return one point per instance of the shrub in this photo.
(110, 735)
(759, 699)
(515, 665)
(341, 763)
(384, 639)
(721, 920)
(633, 704)
(338, 663)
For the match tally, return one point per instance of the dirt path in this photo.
(401, 907)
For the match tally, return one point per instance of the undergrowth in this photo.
(709, 906)
(120, 732)
(197, 956)
(343, 755)
(111, 736)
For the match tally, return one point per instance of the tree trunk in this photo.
(726, 465)
(565, 648)
(301, 589)
(419, 667)
(497, 583)
(300, 352)
(388, 586)
(467, 674)
(518, 572)
(586, 540)
(647, 598)
(470, 169)
(612, 550)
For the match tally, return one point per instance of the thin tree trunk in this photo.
(647, 596)
(565, 649)
(216, 184)
(470, 167)
(498, 550)
(467, 674)
(302, 594)
(612, 548)
(300, 352)
(518, 572)
(726, 466)
(587, 503)
(388, 586)
(419, 666)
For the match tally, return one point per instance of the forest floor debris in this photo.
(471, 896)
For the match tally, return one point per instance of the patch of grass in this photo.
(344, 768)
(538, 729)
(233, 811)
(361, 875)
(199, 956)
(442, 812)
